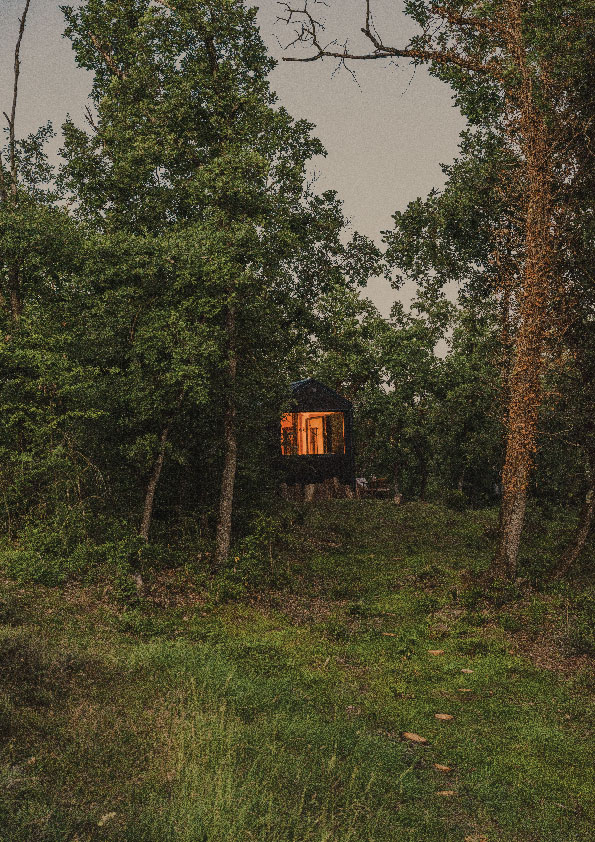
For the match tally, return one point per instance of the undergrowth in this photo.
(279, 709)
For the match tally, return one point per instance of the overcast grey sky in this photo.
(385, 134)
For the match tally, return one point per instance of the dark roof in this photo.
(297, 383)
(313, 392)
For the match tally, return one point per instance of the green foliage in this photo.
(456, 500)
(46, 552)
(187, 199)
(256, 561)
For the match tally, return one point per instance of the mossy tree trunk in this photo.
(152, 486)
(525, 390)
(230, 444)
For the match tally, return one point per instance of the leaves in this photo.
(414, 738)
(191, 195)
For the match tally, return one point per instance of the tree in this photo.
(464, 237)
(9, 176)
(467, 422)
(38, 257)
(509, 63)
(193, 181)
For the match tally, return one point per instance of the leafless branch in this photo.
(3, 194)
(308, 29)
(15, 94)
(90, 119)
(342, 65)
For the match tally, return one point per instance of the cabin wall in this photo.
(324, 475)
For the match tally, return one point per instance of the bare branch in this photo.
(14, 272)
(90, 119)
(342, 65)
(308, 33)
(3, 193)
(15, 94)
(443, 57)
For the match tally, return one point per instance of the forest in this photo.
(184, 654)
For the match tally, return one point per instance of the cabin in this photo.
(316, 457)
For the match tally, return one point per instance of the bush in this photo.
(48, 551)
(254, 562)
(510, 622)
(456, 500)
(52, 551)
(28, 565)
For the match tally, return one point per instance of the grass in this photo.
(279, 716)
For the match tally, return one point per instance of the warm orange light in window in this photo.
(312, 433)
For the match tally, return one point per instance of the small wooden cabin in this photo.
(316, 443)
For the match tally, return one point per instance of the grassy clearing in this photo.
(280, 716)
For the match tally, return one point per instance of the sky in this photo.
(386, 132)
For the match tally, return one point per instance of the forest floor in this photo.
(370, 692)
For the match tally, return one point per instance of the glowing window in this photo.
(313, 434)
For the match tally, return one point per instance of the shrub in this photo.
(254, 562)
(28, 565)
(456, 500)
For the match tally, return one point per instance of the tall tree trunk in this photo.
(423, 481)
(525, 377)
(152, 486)
(461, 481)
(398, 494)
(585, 523)
(16, 304)
(230, 458)
(9, 182)
(525, 398)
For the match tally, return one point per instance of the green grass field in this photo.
(279, 714)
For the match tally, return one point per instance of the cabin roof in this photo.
(318, 396)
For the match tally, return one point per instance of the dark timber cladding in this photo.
(316, 441)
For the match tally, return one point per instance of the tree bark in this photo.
(9, 181)
(525, 378)
(398, 494)
(585, 524)
(423, 479)
(152, 486)
(525, 386)
(16, 304)
(230, 459)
